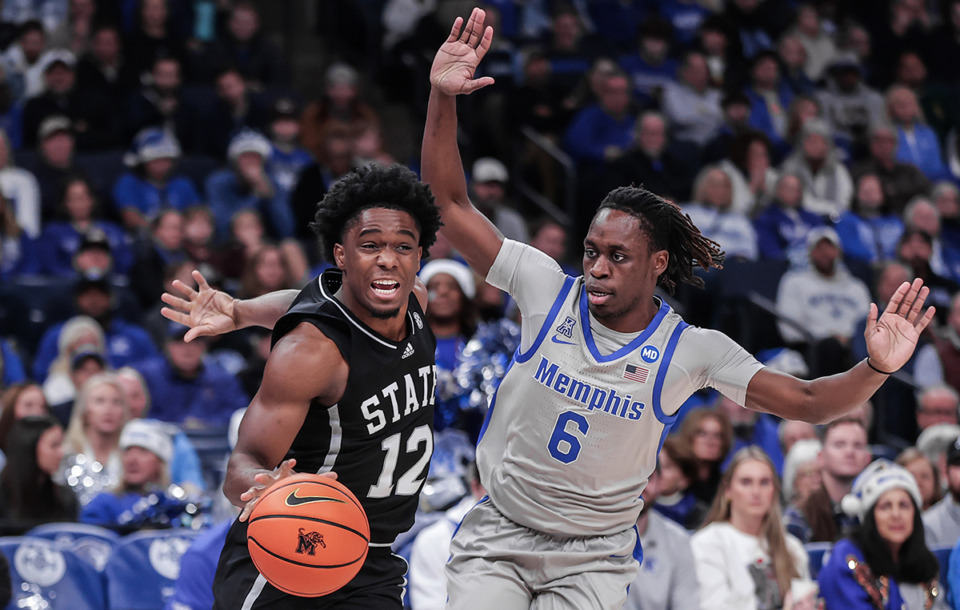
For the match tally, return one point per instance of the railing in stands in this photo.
(567, 213)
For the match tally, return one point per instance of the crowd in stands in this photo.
(818, 141)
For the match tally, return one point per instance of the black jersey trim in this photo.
(349, 316)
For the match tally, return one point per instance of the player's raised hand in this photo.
(459, 56)
(206, 311)
(892, 338)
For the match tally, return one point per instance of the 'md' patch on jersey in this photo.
(636, 373)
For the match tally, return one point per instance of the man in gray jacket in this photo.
(941, 522)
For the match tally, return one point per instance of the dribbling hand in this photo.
(263, 480)
(206, 311)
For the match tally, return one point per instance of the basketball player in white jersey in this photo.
(574, 430)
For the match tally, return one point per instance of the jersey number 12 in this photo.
(409, 482)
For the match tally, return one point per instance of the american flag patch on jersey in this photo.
(636, 373)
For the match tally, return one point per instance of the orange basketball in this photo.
(308, 535)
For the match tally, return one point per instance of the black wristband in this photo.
(876, 369)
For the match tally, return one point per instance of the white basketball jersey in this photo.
(573, 434)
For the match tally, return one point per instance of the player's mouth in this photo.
(598, 297)
(385, 288)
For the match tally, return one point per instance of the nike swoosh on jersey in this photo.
(294, 500)
(555, 340)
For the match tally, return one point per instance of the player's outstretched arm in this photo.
(304, 364)
(891, 340)
(467, 230)
(210, 312)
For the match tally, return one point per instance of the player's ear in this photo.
(661, 258)
(338, 255)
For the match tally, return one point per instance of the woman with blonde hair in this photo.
(93, 436)
(80, 334)
(745, 559)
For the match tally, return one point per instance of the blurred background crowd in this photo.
(817, 141)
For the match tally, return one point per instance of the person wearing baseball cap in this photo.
(150, 185)
(941, 522)
(248, 184)
(146, 450)
(884, 562)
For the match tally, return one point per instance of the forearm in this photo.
(817, 401)
(263, 310)
(441, 165)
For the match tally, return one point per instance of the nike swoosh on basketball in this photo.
(555, 340)
(294, 500)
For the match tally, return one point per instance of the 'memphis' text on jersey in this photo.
(606, 400)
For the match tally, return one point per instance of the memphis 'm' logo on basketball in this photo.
(606, 400)
(649, 353)
(308, 542)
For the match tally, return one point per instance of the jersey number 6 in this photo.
(564, 445)
(409, 482)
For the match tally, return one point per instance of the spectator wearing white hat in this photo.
(247, 184)
(453, 319)
(824, 299)
(885, 562)
(488, 182)
(146, 450)
(96, 117)
(151, 186)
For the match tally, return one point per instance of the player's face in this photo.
(620, 271)
(140, 466)
(751, 491)
(379, 257)
(893, 514)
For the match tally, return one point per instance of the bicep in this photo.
(302, 366)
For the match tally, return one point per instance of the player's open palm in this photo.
(206, 311)
(458, 57)
(892, 338)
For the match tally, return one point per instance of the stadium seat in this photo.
(819, 553)
(44, 576)
(143, 567)
(91, 543)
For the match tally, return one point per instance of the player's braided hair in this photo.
(375, 186)
(668, 228)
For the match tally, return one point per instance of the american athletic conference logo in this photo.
(649, 353)
(566, 329)
(308, 541)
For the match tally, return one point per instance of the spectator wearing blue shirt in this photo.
(685, 16)
(650, 68)
(11, 366)
(287, 157)
(602, 132)
(869, 231)
(783, 226)
(141, 194)
(127, 342)
(917, 144)
(769, 99)
(62, 240)
(187, 390)
(247, 184)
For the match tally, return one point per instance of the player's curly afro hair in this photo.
(668, 228)
(375, 186)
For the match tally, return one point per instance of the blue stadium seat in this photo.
(143, 568)
(44, 576)
(818, 553)
(91, 543)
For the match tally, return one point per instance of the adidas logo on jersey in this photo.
(407, 352)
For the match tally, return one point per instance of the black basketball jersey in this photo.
(379, 437)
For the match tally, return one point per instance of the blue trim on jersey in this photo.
(547, 323)
(666, 420)
(638, 548)
(493, 403)
(629, 347)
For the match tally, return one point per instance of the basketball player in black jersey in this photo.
(349, 384)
